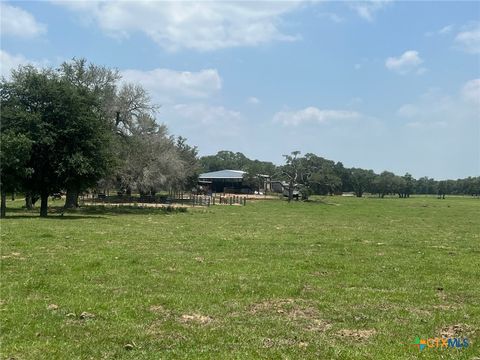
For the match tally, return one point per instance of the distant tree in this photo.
(224, 160)
(191, 167)
(133, 110)
(14, 155)
(90, 160)
(291, 171)
(362, 180)
(384, 183)
(320, 175)
(35, 98)
(345, 177)
(151, 160)
(399, 185)
(256, 173)
(409, 185)
(63, 124)
(472, 186)
(442, 189)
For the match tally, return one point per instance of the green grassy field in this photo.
(338, 278)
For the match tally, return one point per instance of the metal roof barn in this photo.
(223, 180)
(223, 174)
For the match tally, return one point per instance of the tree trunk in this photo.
(71, 200)
(28, 201)
(13, 195)
(44, 205)
(3, 209)
(290, 192)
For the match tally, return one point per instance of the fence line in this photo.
(178, 198)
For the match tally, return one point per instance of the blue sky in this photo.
(384, 85)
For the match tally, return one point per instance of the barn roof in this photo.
(223, 174)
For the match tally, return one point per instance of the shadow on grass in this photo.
(53, 217)
(130, 210)
(90, 212)
(323, 201)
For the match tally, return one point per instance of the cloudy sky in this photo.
(375, 84)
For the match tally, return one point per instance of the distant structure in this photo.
(223, 181)
(232, 181)
(282, 187)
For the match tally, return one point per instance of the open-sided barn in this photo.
(223, 181)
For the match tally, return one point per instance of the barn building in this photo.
(223, 181)
(233, 181)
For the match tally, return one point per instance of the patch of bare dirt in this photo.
(456, 330)
(302, 312)
(86, 315)
(420, 312)
(52, 307)
(195, 318)
(158, 309)
(318, 325)
(357, 335)
(14, 255)
(290, 308)
(444, 307)
(272, 343)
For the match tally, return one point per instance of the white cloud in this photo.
(166, 86)
(445, 30)
(331, 16)
(193, 25)
(471, 91)
(204, 114)
(407, 110)
(435, 109)
(312, 115)
(253, 100)
(405, 63)
(8, 62)
(367, 9)
(18, 22)
(210, 127)
(469, 39)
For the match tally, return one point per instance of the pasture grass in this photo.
(336, 278)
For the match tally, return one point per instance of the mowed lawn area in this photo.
(335, 278)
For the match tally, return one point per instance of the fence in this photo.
(160, 200)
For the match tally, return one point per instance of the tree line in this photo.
(80, 127)
(312, 174)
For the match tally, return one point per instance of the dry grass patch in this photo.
(278, 343)
(196, 319)
(456, 330)
(291, 308)
(356, 335)
(158, 309)
(301, 312)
